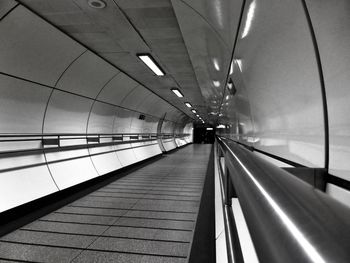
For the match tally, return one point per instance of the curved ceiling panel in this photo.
(22, 105)
(66, 113)
(32, 49)
(117, 89)
(136, 97)
(209, 52)
(87, 75)
(220, 15)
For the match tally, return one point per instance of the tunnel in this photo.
(175, 131)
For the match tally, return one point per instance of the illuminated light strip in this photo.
(310, 251)
(177, 92)
(151, 63)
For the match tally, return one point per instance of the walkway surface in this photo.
(147, 216)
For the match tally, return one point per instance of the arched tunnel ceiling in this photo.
(191, 40)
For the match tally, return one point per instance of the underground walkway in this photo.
(148, 215)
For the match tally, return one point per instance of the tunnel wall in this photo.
(68, 116)
(280, 106)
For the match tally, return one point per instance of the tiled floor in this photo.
(146, 216)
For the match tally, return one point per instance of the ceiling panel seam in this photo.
(8, 12)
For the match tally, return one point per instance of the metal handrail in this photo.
(50, 142)
(289, 220)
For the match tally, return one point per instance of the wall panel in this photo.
(101, 121)
(22, 105)
(330, 22)
(67, 113)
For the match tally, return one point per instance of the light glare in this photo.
(216, 64)
(216, 83)
(249, 20)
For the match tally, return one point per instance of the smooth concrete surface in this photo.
(147, 216)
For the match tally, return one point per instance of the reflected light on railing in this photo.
(308, 248)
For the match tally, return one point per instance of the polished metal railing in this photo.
(288, 220)
(14, 144)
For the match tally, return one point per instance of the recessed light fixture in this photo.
(188, 104)
(197, 115)
(151, 63)
(177, 92)
(98, 4)
(209, 129)
(194, 111)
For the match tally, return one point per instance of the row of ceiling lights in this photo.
(178, 93)
(155, 67)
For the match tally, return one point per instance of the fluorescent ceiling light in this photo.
(151, 63)
(216, 64)
(194, 111)
(249, 19)
(188, 104)
(177, 92)
(210, 129)
(216, 83)
(221, 126)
